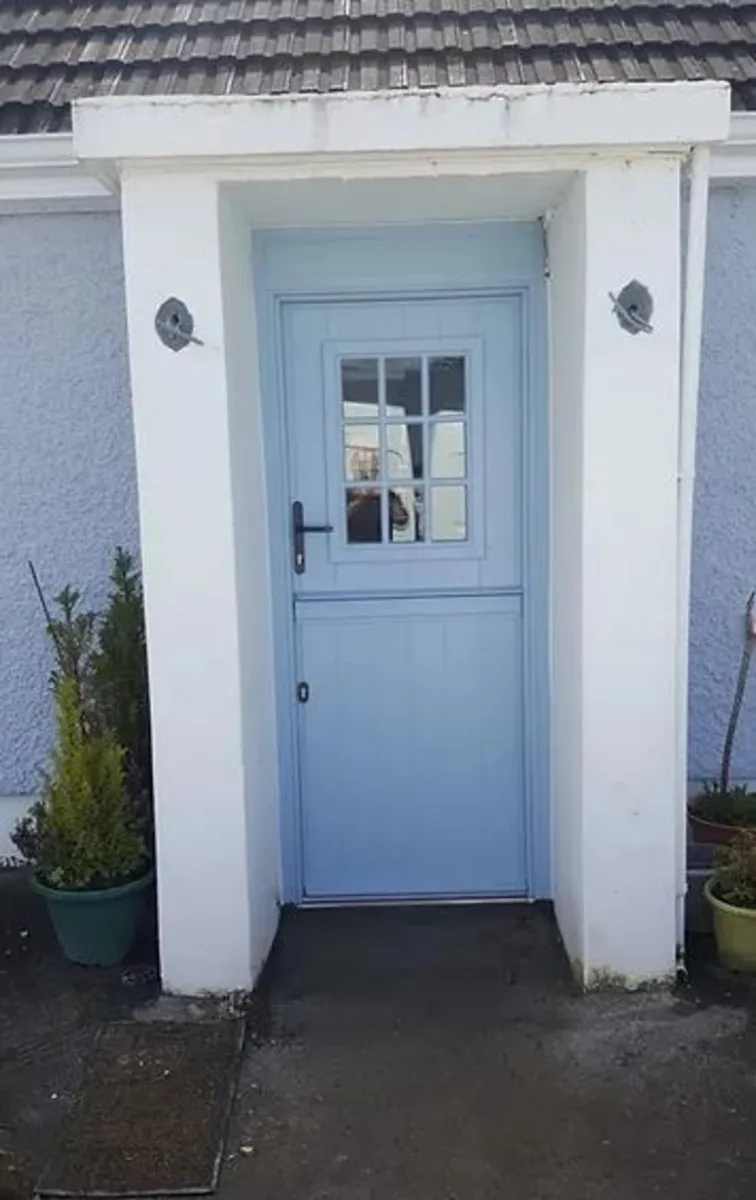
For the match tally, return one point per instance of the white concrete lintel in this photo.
(417, 165)
(562, 116)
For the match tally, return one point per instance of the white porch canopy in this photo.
(601, 166)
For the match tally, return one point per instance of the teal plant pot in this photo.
(96, 929)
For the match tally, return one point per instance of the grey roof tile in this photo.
(53, 51)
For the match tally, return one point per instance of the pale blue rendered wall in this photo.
(67, 473)
(724, 552)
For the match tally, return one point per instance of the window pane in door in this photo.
(359, 388)
(448, 514)
(447, 450)
(404, 387)
(364, 517)
(404, 451)
(446, 385)
(406, 515)
(362, 452)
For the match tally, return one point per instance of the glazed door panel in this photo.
(405, 445)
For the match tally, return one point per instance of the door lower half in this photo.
(404, 436)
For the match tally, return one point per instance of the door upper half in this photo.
(404, 436)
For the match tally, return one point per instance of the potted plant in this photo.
(82, 841)
(731, 891)
(720, 811)
(86, 839)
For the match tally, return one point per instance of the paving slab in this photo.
(50, 1014)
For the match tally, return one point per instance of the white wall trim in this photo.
(736, 158)
(41, 170)
(561, 116)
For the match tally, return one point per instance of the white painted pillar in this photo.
(185, 410)
(615, 398)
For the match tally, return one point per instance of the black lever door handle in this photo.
(298, 531)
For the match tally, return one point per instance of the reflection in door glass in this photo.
(404, 387)
(406, 515)
(362, 452)
(447, 450)
(404, 451)
(359, 388)
(364, 519)
(446, 385)
(448, 514)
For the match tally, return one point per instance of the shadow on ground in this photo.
(50, 1012)
(417, 1054)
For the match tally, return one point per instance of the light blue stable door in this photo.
(404, 434)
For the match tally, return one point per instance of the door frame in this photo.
(531, 295)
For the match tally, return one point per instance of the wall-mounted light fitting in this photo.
(174, 324)
(633, 307)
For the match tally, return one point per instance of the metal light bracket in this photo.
(174, 324)
(633, 308)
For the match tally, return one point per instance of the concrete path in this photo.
(441, 1054)
(416, 1054)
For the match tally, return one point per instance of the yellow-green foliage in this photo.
(735, 871)
(82, 833)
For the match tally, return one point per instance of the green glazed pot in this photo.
(96, 929)
(735, 931)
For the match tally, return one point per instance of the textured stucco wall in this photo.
(67, 474)
(724, 552)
